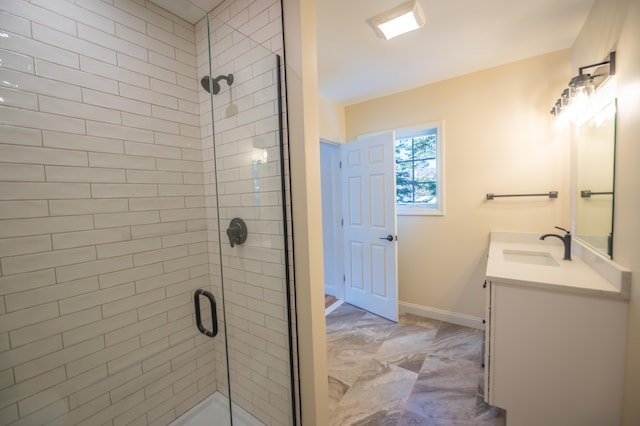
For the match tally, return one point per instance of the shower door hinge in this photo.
(340, 164)
(344, 278)
(342, 222)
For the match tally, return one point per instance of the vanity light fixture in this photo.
(575, 99)
(399, 20)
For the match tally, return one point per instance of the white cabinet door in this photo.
(556, 358)
(369, 211)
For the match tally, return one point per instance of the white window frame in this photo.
(427, 210)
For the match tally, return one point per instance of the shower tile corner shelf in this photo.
(554, 328)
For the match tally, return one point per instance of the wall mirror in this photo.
(595, 157)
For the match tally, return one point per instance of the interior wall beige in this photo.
(331, 120)
(302, 104)
(498, 138)
(615, 24)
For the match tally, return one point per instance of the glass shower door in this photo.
(246, 172)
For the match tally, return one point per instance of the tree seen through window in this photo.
(416, 168)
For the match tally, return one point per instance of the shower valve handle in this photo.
(237, 231)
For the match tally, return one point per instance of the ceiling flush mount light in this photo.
(399, 20)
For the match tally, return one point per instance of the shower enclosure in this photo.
(144, 247)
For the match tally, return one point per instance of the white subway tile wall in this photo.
(108, 218)
(102, 217)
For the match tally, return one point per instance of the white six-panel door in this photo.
(369, 211)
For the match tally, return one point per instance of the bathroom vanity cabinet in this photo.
(555, 350)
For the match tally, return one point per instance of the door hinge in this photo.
(340, 164)
(342, 222)
(344, 278)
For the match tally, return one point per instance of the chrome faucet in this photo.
(566, 240)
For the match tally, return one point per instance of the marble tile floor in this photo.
(416, 372)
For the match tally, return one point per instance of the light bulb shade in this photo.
(581, 98)
(399, 20)
(581, 80)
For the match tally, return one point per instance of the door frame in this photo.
(332, 240)
(332, 206)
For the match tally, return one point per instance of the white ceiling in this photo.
(460, 36)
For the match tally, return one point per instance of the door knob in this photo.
(388, 238)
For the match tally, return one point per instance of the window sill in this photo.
(418, 211)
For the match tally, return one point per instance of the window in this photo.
(419, 170)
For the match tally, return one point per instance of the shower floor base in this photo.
(215, 411)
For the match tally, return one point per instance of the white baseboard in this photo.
(333, 307)
(440, 315)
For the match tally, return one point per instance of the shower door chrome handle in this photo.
(214, 320)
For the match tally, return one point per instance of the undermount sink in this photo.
(530, 257)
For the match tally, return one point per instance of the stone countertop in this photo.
(588, 273)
